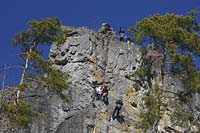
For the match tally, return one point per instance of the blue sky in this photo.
(15, 14)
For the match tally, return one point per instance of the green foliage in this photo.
(181, 30)
(25, 85)
(45, 31)
(178, 38)
(19, 115)
(153, 108)
(157, 102)
(56, 81)
(191, 83)
(45, 73)
(183, 64)
(144, 73)
(180, 117)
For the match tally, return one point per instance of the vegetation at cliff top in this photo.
(177, 38)
(36, 69)
(42, 32)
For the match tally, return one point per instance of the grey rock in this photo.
(96, 57)
(92, 58)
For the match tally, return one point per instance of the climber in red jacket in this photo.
(105, 93)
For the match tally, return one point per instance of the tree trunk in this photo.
(155, 126)
(24, 71)
(165, 66)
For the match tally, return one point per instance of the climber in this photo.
(122, 35)
(98, 92)
(105, 93)
(118, 106)
(105, 28)
(129, 41)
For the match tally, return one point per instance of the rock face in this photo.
(92, 58)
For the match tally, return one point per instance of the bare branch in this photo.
(11, 67)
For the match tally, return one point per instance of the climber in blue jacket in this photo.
(122, 35)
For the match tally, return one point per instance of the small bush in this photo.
(19, 115)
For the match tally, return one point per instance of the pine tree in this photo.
(174, 34)
(43, 32)
(42, 72)
(177, 36)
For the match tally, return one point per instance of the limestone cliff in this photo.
(91, 58)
